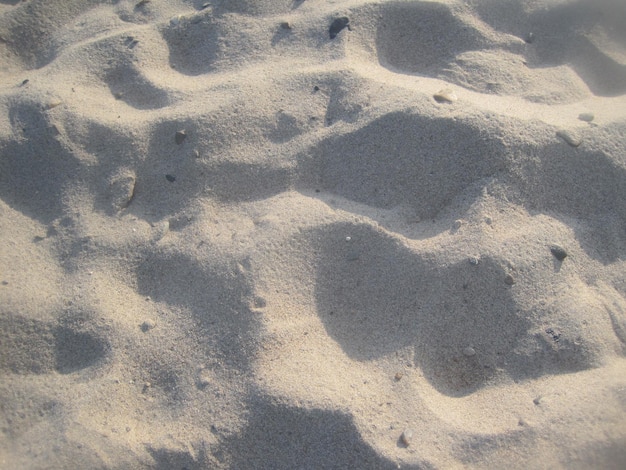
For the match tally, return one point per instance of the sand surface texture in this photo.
(300, 234)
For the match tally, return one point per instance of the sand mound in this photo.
(245, 234)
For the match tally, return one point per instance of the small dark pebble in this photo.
(537, 400)
(170, 178)
(25, 82)
(558, 252)
(180, 137)
(553, 334)
(285, 25)
(141, 3)
(530, 38)
(316, 88)
(337, 25)
(5, 283)
(509, 280)
(205, 5)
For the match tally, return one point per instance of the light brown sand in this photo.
(324, 257)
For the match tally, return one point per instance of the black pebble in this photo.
(337, 25)
(170, 178)
(558, 252)
(180, 137)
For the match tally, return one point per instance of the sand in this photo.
(230, 241)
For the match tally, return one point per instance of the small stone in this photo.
(445, 95)
(398, 376)
(141, 3)
(285, 25)
(406, 437)
(530, 37)
(457, 224)
(337, 25)
(587, 117)
(488, 220)
(558, 252)
(180, 137)
(469, 351)
(571, 139)
(170, 178)
(537, 400)
(53, 104)
(509, 280)
(175, 20)
(474, 260)
(147, 325)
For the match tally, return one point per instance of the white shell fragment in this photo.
(572, 139)
(445, 95)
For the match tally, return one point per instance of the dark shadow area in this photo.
(194, 48)
(239, 182)
(31, 26)
(427, 164)
(36, 168)
(129, 85)
(167, 459)
(609, 455)
(216, 296)
(403, 159)
(422, 37)
(376, 297)
(76, 350)
(588, 182)
(279, 436)
(35, 347)
(564, 34)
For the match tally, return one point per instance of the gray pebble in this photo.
(445, 96)
(180, 137)
(587, 117)
(509, 280)
(147, 325)
(558, 252)
(469, 351)
(406, 437)
(571, 139)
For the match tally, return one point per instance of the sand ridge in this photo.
(232, 241)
